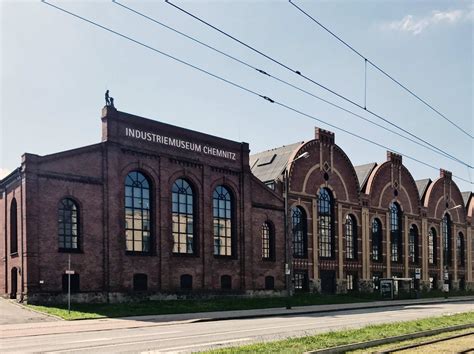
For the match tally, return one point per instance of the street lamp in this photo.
(446, 286)
(288, 253)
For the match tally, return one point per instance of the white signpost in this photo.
(69, 271)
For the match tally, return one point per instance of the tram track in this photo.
(431, 342)
(396, 339)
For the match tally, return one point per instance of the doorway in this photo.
(14, 283)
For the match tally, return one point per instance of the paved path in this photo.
(144, 334)
(11, 313)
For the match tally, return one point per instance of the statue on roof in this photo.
(109, 101)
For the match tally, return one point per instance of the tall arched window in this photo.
(300, 236)
(413, 244)
(137, 213)
(183, 217)
(223, 215)
(350, 234)
(395, 232)
(68, 225)
(325, 223)
(446, 232)
(268, 243)
(432, 246)
(460, 249)
(13, 227)
(376, 240)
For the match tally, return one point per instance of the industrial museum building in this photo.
(157, 211)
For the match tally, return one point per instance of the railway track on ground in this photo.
(429, 343)
(401, 338)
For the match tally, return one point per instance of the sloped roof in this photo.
(422, 185)
(465, 197)
(269, 165)
(363, 172)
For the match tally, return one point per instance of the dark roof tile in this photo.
(269, 165)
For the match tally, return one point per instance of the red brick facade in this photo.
(93, 178)
(365, 195)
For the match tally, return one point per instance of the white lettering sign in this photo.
(179, 143)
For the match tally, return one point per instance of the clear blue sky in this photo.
(55, 70)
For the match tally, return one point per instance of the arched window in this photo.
(268, 243)
(350, 234)
(68, 225)
(325, 223)
(13, 227)
(460, 249)
(183, 217)
(395, 232)
(413, 244)
(137, 213)
(300, 236)
(446, 231)
(223, 224)
(376, 240)
(432, 246)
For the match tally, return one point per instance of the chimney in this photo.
(446, 174)
(324, 136)
(396, 159)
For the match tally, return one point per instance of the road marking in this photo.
(181, 337)
(208, 334)
(108, 338)
(318, 321)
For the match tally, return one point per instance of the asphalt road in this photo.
(186, 337)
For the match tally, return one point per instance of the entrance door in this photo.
(14, 283)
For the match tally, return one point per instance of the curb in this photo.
(307, 312)
(377, 342)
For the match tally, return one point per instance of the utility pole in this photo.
(69, 284)
(288, 248)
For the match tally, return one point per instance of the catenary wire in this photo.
(237, 85)
(311, 80)
(380, 69)
(282, 81)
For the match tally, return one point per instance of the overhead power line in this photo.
(240, 61)
(237, 85)
(380, 69)
(311, 80)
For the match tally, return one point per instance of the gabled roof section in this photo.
(269, 165)
(422, 186)
(465, 197)
(363, 172)
(12, 177)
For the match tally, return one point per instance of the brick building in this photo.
(352, 225)
(152, 209)
(155, 210)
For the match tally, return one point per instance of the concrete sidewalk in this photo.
(13, 313)
(21, 330)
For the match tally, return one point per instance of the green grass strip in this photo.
(386, 347)
(165, 307)
(337, 338)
